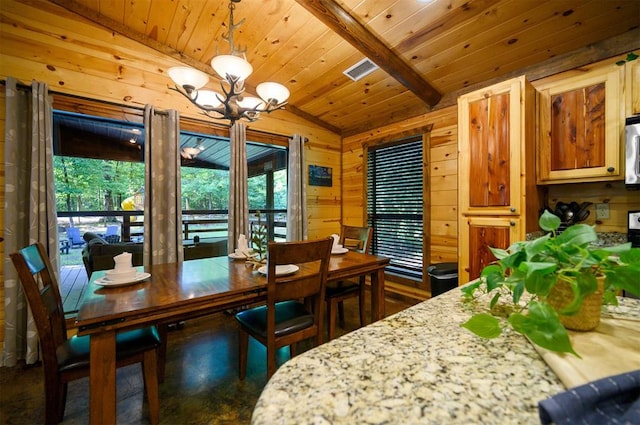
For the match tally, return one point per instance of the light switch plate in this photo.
(602, 211)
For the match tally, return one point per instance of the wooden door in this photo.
(479, 234)
(490, 134)
(577, 128)
(489, 151)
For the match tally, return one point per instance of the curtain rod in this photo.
(140, 108)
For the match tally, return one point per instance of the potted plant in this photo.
(529, 273)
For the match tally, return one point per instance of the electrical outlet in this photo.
(602, 211)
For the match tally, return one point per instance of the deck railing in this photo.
(207, 223)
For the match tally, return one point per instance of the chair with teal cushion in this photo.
(67, 359)
(286, 319)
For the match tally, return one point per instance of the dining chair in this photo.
(294, 307)
(354, 239)
(66, 359)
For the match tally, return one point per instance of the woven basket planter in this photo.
(588, 317)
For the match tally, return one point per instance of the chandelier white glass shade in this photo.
(233, 70)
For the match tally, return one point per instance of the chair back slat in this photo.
(356, 238)
(311, 256)
(41, 289)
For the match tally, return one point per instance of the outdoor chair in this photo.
(74, 237)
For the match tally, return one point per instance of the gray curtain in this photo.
(163, 196)
(296, 191)
(30, 213)
(238, 186)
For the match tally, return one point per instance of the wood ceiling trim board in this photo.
(291, 38)
(200, 24)
(380, 17)
(396, 109)
(596, 52)
(136, 15)
(56, 53)
(184, 19)
(323, 73)
(76, 8)
(474, 18)
(447, 20)
(447, 40)
(331, 84)
(217, 26)
(75, 51)
(159, 21)
(265, 19)
(361, 92)
(313, 119)
(484, 60)
(453, 45)
(357, 34)
(367, 126)
(112, 9)
(327, 50)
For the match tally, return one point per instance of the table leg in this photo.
(102, 378)
(377, 295)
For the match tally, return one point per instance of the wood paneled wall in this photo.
(74, 56)
(614, 194)
(443, 192)
(43, 42)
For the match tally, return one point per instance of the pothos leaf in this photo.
(483, 325)
(542, 326)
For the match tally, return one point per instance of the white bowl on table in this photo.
(122, 274)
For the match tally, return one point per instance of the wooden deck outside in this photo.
(73, 283)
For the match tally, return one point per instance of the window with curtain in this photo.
(99, 167)
(395, 204)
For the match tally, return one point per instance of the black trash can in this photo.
(443, 276)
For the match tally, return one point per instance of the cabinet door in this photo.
(489, 137)
(632, 87)
(477, 234)
(580, 128)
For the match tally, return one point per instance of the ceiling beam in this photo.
(78, 8)
(355, 33)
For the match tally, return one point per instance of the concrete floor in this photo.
(201, 383)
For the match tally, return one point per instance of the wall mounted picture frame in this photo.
(320, 176)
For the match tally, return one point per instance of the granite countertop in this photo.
(604, 238)
(417, 366)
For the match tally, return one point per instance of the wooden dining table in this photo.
(180, 291)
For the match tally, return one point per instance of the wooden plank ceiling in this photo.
(427, 52)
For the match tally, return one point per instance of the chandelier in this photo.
(233, 69)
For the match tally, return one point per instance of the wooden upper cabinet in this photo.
(632, 88)
(580, 129)
(491, 132)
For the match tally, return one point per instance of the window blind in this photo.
(395, 204)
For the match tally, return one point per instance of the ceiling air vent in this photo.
(361, 69)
